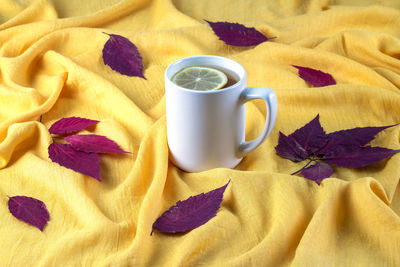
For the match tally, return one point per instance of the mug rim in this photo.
(242, 77)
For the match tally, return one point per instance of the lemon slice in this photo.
(200, 78)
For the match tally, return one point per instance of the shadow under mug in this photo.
(206, 129)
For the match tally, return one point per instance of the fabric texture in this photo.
(51, 67)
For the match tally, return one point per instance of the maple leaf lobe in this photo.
(288, 148)
(359, 136)
(311, 137)
(355, 156)
(317, 172)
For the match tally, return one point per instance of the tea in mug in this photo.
(204, 78)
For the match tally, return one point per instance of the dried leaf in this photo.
(355, 156)
(288, 148)
(345, 148)
(70, 125)
(93, 143)
(311, 137)
(190, 213)
(315, 77)
(29, 210)
(122, 56)
(85, 163)
(304, 142)
(317, 172)
(359, 136)
(237, 34)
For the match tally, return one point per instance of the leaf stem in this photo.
(305, 166)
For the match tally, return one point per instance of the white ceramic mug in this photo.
(206, 129)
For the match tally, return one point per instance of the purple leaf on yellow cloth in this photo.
(289, 148)
(70, 125)
(315, 77)
(311, 137)
(356, 156)
(317, 172)
(122, 56)
(190, 213)
(29, 210)
(303, 142)
(344, 148)
(83, 162)
(237, 34)
(359, 136)
(93, 143)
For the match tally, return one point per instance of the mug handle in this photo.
(269, 96)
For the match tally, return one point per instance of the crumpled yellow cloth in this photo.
(51, 67)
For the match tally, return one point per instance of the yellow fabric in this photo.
(51, 67)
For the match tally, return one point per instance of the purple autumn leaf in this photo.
(93, 143)
(237, 34)
(311, 137)
(122, 56)
(359, 136)
(302, 143)
(30, 210)
(288, 148)
(66, 156)
(317, 172)
(355, 156)
(315, 77)
(70, 125)
(190, 213)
